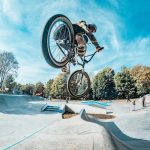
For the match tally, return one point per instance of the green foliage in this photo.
(39, 87)
(141, 75)
(8, 66)
(141, 89)
(17, 88)
(59, 86)
(90, 95)
(125, 84)
(48, 88)
(103, 84)
(26, 89)
(9, 83)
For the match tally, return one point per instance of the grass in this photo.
(100, 116)
(67, 116)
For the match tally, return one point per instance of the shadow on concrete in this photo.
(121, 140)
(22, 105)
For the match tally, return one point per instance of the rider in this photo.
(82, 30)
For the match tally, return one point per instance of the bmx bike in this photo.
(59, 49)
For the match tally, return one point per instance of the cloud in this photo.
(11, 10)
(135, 52)
(35, 73)
(114, 3)
(22, 23)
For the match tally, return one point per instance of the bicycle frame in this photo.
(74, 56)
(85, 61)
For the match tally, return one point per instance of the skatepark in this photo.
(74, 75)
(30, 122)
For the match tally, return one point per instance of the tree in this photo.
(103, 84)
(48, 88)
(8, 65)
(9, 83)
(39, 88)
(27, 88)
(141, 75)
(95, 86)
(59, 86)
(18, 89)
(125, 84)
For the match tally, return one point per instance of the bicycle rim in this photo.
(79, 84)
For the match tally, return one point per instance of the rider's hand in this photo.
(99, 49)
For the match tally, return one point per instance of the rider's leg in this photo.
(81, 44)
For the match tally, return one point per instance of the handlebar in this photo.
(92, 55)
(85, 60)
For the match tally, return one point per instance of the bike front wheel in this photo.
(58, 35)
(78, 84)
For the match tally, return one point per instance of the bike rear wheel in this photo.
(78, 84)
(57, 38)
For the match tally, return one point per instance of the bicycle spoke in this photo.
(61, 49)
(78, 84)
(57, 54)
(54, 50)
(57, 37)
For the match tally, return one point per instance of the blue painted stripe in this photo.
(96, 101)
(90, 102)
(20, 141)
(51, 108)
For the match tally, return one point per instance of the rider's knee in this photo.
(79, 37)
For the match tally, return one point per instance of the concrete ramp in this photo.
(20, 117)
(89, 109)
(121, 140)
(83, 115)
(23, 126)
(81, 132)
(20, 104)
(53, 108)
(71, 134)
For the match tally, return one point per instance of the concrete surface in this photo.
(71, 134)
(93, 110)
(133, 123)
(24, 126)
(21, 119)
(20, 116)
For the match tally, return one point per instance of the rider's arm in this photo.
(83, 25)
(93, 40)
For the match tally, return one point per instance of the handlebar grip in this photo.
(86, 61)
(101, 49)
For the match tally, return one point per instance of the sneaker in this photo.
(64, 69)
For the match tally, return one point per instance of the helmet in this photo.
(92, 26)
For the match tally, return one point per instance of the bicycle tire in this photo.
(69, 84)
(46, 49)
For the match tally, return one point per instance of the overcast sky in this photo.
(123, 29)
